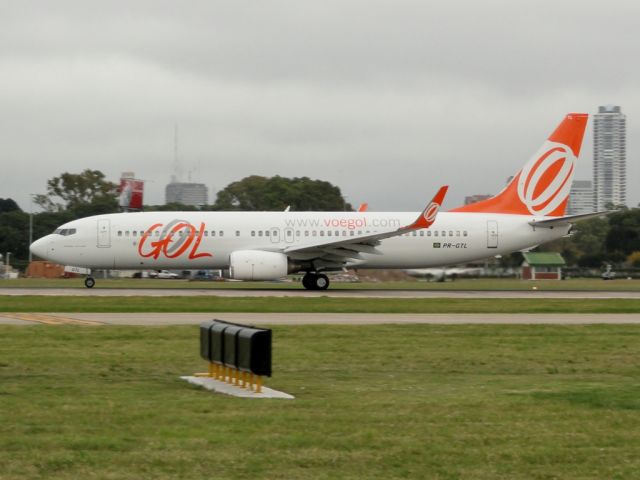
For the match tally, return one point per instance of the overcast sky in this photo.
(386, 99)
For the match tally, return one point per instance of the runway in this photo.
(335, 293)
(164, 319)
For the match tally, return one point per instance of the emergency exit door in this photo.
(492, 234)
(104, 233)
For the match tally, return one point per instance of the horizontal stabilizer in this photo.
(569, 219)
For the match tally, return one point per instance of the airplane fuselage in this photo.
(205, 240)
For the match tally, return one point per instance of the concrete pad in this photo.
(223, 387)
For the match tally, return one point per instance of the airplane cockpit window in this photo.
(65, 232)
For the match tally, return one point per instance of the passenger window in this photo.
(414, 233)
(213, 233)
(306, 233)
(344, 233)
(322, 233)
(297, 233)
(237, 233)
(422, 233)
(135, 233)
(329, 233)
(444, 234)
(260, 233)
(266, 233)
(119, 233)
(253, 233)
(221, 233)
(127, 233)
(314, 233)
(206, 233)
(464, 234)
(457, 233)
(352, 233)
(451, 233)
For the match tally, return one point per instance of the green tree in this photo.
(14, 234)
(8, 205)
(624, 234)
(86, 193)
(276, 193)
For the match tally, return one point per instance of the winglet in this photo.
(363, 207)
(428, 215)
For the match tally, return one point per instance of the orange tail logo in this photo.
(542, 186)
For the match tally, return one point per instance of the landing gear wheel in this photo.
(308, 281)
(321, 282)
(89, 282)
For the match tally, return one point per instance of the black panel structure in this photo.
(242, 347)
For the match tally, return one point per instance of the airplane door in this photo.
(288, 235)
(492, 234)
(104, 233)
(275, 235)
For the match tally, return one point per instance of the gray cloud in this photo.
(386, 99)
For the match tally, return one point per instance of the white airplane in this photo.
(269, 245)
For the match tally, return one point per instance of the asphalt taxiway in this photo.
(164, 319)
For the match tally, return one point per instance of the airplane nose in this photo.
(40, 247)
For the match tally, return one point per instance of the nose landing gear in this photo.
(315, 281)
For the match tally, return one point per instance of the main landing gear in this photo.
(315, 281)
(89, 282)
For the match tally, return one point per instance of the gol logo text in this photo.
(174, 240)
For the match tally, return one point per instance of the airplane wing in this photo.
(338, 252)
(568, 219)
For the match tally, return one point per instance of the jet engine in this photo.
(258, 265)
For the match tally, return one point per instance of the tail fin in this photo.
(542, 186)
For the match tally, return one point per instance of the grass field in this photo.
(412, 401)
(460, 284)
(320, 304)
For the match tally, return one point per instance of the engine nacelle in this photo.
(257, 265)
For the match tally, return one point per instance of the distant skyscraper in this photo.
(195, 194)
(609, 157)
(580, 198)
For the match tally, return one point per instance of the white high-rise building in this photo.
(580, 198)
(609, 158)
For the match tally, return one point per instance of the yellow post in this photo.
(259, 384)
(244, 379)
(251, 381)
(211, 370)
